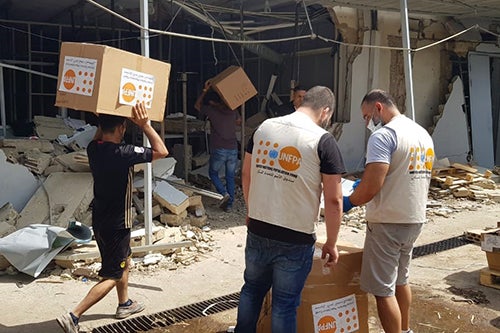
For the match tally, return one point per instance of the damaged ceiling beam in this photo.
(258, 49)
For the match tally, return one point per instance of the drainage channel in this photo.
(169, 317)
(442, 245)
(228, 302)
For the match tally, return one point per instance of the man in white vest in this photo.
(289, 162)
(394, 188)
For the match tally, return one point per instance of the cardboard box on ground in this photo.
(332, 300)
(490, 243)
(234, 86)
(103, 79)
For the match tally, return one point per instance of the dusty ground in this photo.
(30, 305)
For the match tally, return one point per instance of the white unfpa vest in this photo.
(285, 185)
(403, 196)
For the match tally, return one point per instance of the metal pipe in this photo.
(2, 103)
(407, 59)
(148, 198)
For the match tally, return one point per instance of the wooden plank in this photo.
(489, 278)
(464, 167)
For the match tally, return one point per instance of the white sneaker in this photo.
(67, 324)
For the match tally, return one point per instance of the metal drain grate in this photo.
(442, 245)
(169, 317)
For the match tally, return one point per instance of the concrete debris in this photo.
(50, 128)
(37, 161)
(8, 214)
(63, 197)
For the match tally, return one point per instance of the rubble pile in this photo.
(50, 183)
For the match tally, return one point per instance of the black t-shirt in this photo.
(111, 166)
(331, 162)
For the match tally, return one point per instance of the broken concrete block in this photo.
(67, 194)
(170, 197)
(138, 237)
(37, 161)
(8, 214)
(18, 186)
(196, 206)
(195, 200)
(50, 127)
(6, 229)
(200, 160)
(198, 221)
(23, 145)
(72, 161)
(174, 220)
(53, 168)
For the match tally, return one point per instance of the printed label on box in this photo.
(78, 75)
(490, 242)
(339, 315)
(136, 87)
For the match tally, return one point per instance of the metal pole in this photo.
(410, 107)
(2, 104)
(184, 117)
(148, 198)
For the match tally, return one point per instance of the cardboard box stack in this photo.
(103, 79)
(234, 86)
(332, 300)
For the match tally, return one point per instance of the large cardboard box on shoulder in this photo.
(490, 243)
(103, 79)
(332, 300)
(234, 86)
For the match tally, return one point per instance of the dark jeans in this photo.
(282, 266)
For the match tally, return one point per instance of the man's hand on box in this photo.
(330, 253)
(139, 115)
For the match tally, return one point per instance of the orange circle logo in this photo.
(289, 158)
(69, 79)
(429, 159)
(128, 92)
(327, 324)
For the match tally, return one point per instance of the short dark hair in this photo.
(319, 97)
(109, 122)
(211, 95)
(378, 95)
(298, 88)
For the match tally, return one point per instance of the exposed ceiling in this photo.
(456, 8)
(80, 12)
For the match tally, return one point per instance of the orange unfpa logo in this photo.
(289, 158)
(327, 324)
(128, 92)
(69, 79)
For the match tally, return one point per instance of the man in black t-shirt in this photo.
(111, 162)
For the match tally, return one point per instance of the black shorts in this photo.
(114, 246)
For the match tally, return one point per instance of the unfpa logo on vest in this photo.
(288, 158)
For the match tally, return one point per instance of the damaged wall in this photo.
(383, 69)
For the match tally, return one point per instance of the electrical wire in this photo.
(156, 33)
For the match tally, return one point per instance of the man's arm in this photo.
(371, 183)
(332, 193)
(199, 100)
(246, 178)
(141, 119)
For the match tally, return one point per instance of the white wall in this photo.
(426, 75)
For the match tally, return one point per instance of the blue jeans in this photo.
(227, 158)
(282, 266)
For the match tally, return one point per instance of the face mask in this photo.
(372, 127)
